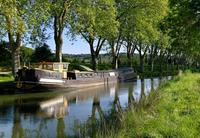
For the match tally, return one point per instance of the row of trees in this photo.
(157, 28)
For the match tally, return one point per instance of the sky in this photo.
(78, 46)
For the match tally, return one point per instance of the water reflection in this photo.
(54, 115)
(17, 131)
(54, 108)
(61, 128)
(131, 98)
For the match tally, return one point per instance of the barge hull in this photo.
(67, 83)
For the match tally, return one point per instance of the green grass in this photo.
(171, 111)
(6, 83)
(6, 78)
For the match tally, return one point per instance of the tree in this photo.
(95, 22)
(159, 46)
(183, 23)
(5, 54)
(146, 23)
(17, 17)
(26, 55)
(38, 57)
(125, 30)
(115, 46)
(138, 21)
(60, 13)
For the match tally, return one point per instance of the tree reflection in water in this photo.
(152, 84)
(61, 128)
(131, 99)
(93, 123)
(50, 109)
(17, 131)
(142, 94)
(113, 118)
(100, 120)
(115, 115)
(140, 103)
(45, 112)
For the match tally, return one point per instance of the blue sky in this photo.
(78, 46)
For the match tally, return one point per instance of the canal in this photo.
(55, 114)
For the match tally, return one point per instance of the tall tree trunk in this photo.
(94, 62)
(152, 65)
(15, 60)
(153, 54)
(115, 49)
(59, 44)
(131, 47)
(142, 56)
(58, 31)
(142, 63)
(95, 53)
(130, 50)
(15, 49)
(93, 56)
(129, 56)
(115, 62)
(151, 61)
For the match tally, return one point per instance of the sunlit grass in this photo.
(6, 78)
(171, 111)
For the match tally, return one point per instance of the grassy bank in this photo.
(6, 83)
(171, 111)
(6, 78)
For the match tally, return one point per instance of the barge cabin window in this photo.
(54, 66)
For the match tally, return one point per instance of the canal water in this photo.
(47, 114)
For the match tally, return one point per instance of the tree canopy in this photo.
(156, 30)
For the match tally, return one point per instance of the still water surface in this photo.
(44, 114)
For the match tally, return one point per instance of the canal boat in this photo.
(126, 74)
(57, 75)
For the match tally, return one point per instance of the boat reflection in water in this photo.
(56, 114)
(56, 108)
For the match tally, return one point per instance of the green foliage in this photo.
(5, 55)
(104, 66)
(39, 56)
(28, 15)
(183, 25)
(164, 29)
(95, 18)
(26, 54)
(140, 19)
